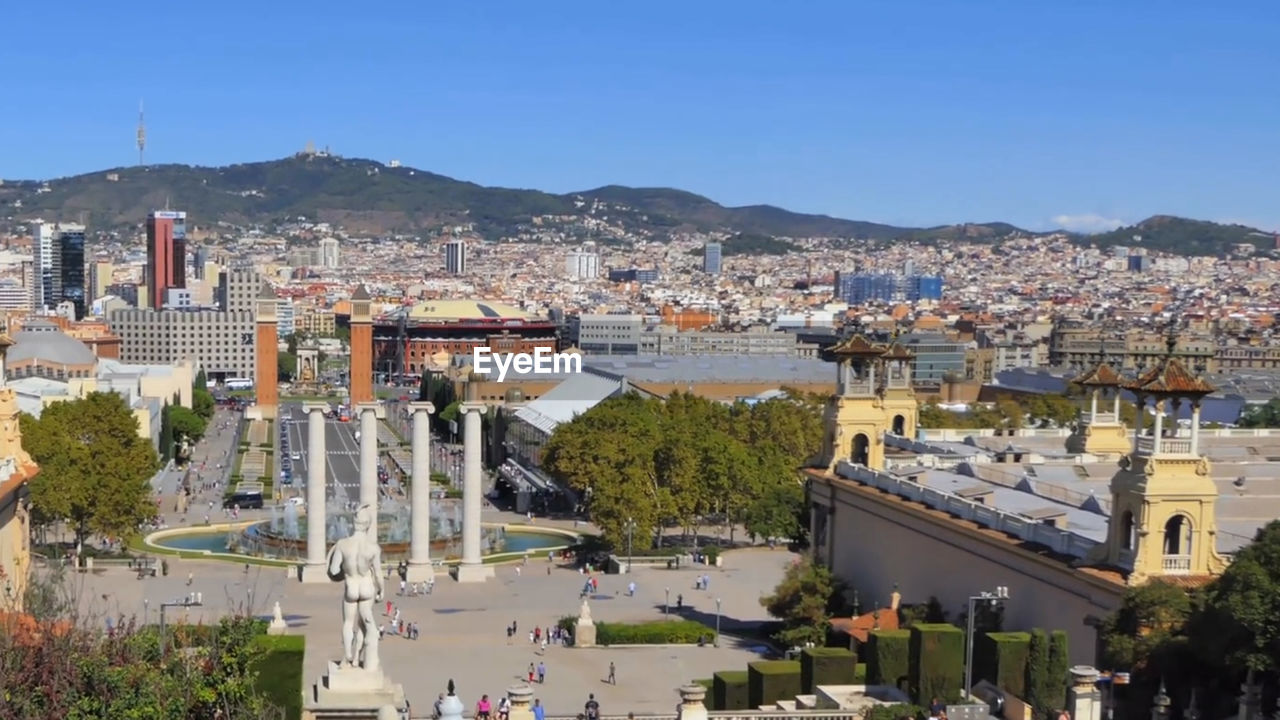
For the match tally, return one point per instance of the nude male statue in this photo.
(357, 560)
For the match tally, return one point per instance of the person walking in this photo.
(542, 672)
(613, 674)
(531, 672)
(592, 707)
(539, 712)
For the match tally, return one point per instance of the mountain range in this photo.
(366, 196)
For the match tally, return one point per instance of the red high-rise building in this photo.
(166, 254)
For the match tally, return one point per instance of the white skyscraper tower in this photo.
(455, 257)
(44, 242)
(583, 264)
(329, 253)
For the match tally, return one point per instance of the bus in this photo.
(344, 415)
(239, 383)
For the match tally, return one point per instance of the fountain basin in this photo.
(212, 541)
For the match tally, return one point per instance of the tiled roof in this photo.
(1100, 375)
(857, 346)
(898, 352)
(1170, 377)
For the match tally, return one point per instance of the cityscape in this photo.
(322, 435)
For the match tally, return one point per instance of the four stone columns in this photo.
(314, 570)
(471, 569)
(420, 568)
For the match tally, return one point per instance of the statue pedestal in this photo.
(420, 573)
(584, 634)
(352, 693)
(473, 573)
(277, 627)
(314, 574)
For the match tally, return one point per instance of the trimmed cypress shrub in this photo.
(937, 662)
(1038, 674)
(888, 657)
(826, 666)
(1000, 658)
(729, 690)
(769, 681)
(1059, 667)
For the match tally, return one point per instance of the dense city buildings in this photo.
(166, 254)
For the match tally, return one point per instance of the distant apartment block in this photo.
(712, 255)
(863, 288)
(582, 264)
(328, 251)
(636, 275)
(455, 257)
(220, 341)
(13, 296)
(166, 254)
(631, 335)
(317, 322)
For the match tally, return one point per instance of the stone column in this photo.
(1195, 427)
(420, 495)
(471, 569)
(314, 570)
(691, 705)
(521, 697)
(369, 454)
(1084, 701)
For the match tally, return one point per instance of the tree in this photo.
(95, 469)
(773, 514)
(804, 601)
(1241, 623)
(1151, 617)
(1038, 684)
(166, 434)
(286, 364)
(202, 403)
(1266, 415)
(186, 423)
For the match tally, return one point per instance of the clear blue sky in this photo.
(896, 111)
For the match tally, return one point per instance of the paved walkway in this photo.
(463, 626)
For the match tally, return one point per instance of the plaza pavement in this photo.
(463, 626)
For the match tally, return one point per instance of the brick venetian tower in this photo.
(361, 347)
(266, 353)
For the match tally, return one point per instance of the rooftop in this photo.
(461, 310)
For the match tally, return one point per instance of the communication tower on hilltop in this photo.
(142, 135)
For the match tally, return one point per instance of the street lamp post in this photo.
(717, 643)
(666, 606)
(146, 611)
(993, 599)
(194, 599)
(631, 528)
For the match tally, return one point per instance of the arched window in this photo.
(899, 425)
(1177, 536)
(1126, 531)
(861, 443)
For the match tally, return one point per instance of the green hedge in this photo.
(280, 672)
(769, 681)
(1059, 667)
(1038, 673)
(860, 674)
(888, 657)
(937, 662)
(1000, 658)
(894, 712)
(657, 632)
(729, 690)
(826, 666)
